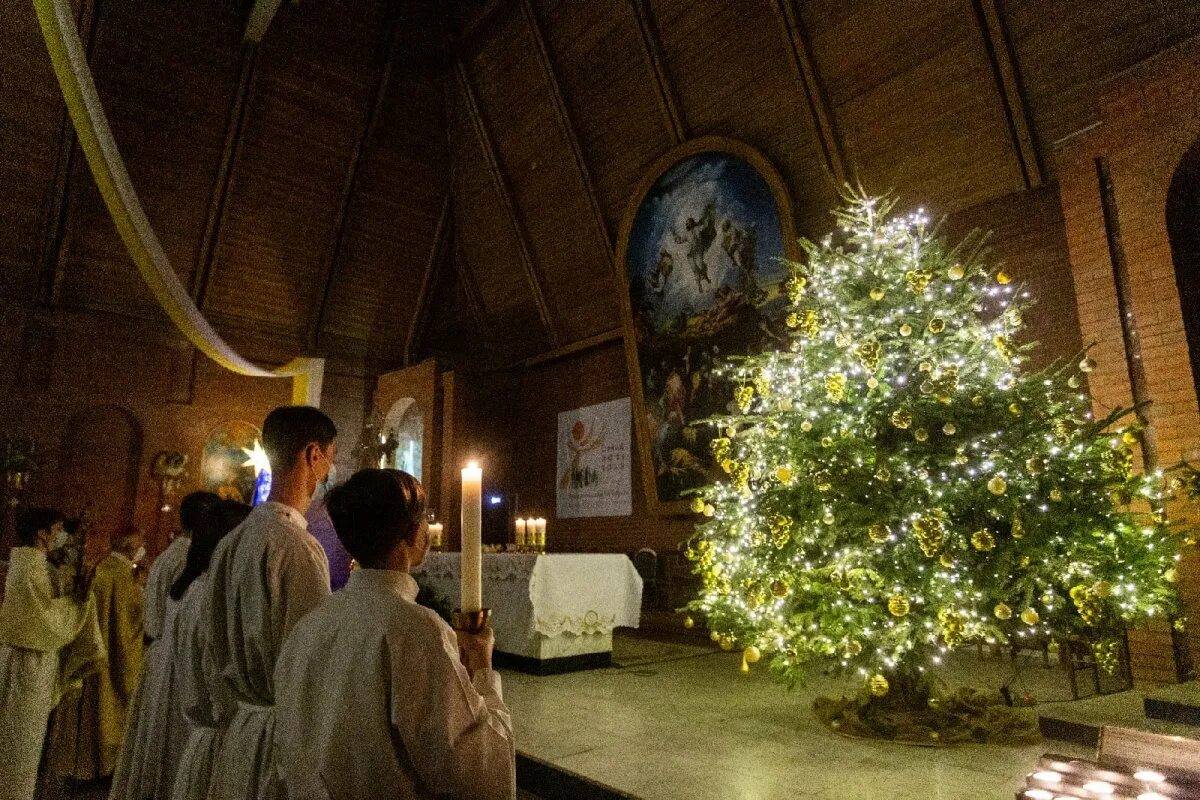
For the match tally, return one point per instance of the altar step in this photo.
(1172, 710)
(542, 780)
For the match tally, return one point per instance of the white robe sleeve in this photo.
(457, 732)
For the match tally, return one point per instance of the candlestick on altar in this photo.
(472, 538)
(540, 535)
(521, 527)
(435, 535)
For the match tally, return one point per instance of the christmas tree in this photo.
(899, 483)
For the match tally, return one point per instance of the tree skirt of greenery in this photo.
(966, 715)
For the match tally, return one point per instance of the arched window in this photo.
(1183, 228)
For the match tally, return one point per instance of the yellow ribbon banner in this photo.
(96, 140)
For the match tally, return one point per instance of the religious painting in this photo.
(233, 462)
(594, 461)
(700, 255)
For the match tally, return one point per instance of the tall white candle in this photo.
(521, 525)
(541, 532)
(435, 534)
(472, 538)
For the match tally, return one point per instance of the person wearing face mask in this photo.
(89, 725)
(376, 695)
(48, 641)
(264, 576)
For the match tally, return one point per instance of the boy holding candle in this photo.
(376, 695)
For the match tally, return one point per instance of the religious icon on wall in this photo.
(700, 257)
(228, 469)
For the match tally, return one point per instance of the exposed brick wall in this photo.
(1150, 117)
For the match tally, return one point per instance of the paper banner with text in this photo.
(594, 462)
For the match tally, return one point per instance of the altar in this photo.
(551, 613)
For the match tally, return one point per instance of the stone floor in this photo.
(680, 721)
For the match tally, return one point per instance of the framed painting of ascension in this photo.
(699, 259)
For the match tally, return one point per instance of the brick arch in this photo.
(1183, 231)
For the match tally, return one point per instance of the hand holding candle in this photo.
(472, 538)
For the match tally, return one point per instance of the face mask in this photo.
(139, 555)
(324, 486)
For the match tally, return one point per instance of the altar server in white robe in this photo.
(141, 769)
(264, 577)
(47, 642)
(376, 695)
(203, 713)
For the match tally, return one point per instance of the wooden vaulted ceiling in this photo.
(384, 179)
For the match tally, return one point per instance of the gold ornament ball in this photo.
(828, 518)
(877, 293)
(784, 475)
(731, 431)
(983, 540)
(925, 366)
(878, 533)
(1074, 382)
(1129, 437)
(716, 637)
(827, 441)
(906, 329)
(945, 560)
(977, 401)
(1003, 278)
(872, 382)
(689, 623)
(878, 685)
(853, 648)
(751, 654)
(726, 643)
(709, 510)
(806, 426)
(1002, 611)
(1056, 495)
(1014, 408)
(957, 272)
(697, 504)
(937, 325)
(1102, 589)
(898, 605)
(1087, 365)
(779, 588)
(949, 429)
(921, 435)
(997, 485)
(902, 418)
(1170, 576)
(1030, 616)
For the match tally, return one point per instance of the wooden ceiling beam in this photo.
(800, 48)
(567, 126)
(55, 228)
(1006, 72)
(428, 280)
(261, 15)
(500, 184)
(328, 273)
(223, 181)
(663, 89)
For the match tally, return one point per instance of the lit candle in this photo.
(435, 534)
(521, 524)
(472, 538)
(541, 532)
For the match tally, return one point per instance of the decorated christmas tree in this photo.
(899, 483)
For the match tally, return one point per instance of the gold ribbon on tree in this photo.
(96, 140)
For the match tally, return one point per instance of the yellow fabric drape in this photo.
(96, 140)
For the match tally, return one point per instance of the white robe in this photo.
(163, 572)
(46, 642)
(206, 713)
(265, 575)
(373, 701)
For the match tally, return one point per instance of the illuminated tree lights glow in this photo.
(898, 485)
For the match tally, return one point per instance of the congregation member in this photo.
(376, 695)
(263, 578)
(204, 712)
(89, 723)
(141, 771)
(47, 641)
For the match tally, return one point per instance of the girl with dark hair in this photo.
(153, 755)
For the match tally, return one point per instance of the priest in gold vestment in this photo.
(89, 725)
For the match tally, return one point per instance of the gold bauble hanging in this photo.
(902, 418)
(997, 485)
(1170, 576)
(906, 329)
(956, 272)
(921, 435)
(878, 685)
(1003, 278)
(1129, 437)
(878, 533)
(1074, 382)
(882, 473)
(960, 456)
(878, 293)
(945, 560)
(716, 637)
(977, 401)
(1002, 611)
(709, 510)
(751, 654)
(689, 623)
(983, 540)
(1030, 616)
(784, 475)
(697, 504)
(828, 519)
(826, 441)
(1087, 365)
(779, 588)
(937, 325)
(1014, 408)
(898, 605)
(872, 382)
(806, 426)
(726, 643)
(949, 429)
(1018, 528)
(925, 366)
(1056, 495)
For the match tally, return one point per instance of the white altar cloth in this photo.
(547, 606)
